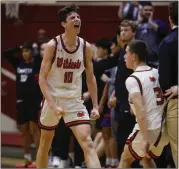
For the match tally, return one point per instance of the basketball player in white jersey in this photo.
(147, 102)
(65, 58)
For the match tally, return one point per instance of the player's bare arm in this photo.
(45, 68)
(91, 80)
(141, 117)
(137, 101)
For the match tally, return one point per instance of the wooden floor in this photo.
(11, 156)
(9, 162)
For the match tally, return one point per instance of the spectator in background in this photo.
(103, 50)
(28, 96)
(168, 77)
(41, 38)
(149, 29)
(122, 109)
(129, 10)
(103, 124)
(110, 81)
(42, 48)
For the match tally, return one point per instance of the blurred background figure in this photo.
(129, 10)
(150, 29)
(41, 35)
(28, 96)
(41, 39)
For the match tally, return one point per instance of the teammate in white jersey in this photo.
(66, 57)
(147, 102)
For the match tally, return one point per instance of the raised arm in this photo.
(90, 78)
(45, 68)
(10, 56)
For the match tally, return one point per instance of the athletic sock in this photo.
(28, 157)
(108, 161)
(114, 162)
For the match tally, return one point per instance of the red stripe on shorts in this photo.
(45, 127)
(74, 123)
(134, 154)
(152, 155)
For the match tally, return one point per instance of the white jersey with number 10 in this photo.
(65, 76)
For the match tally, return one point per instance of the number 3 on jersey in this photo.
(68, 77)
(160, 98)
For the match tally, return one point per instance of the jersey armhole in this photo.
(139, 83)
(84, 53)
(55, 51)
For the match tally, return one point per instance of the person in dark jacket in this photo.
(122, 109)
(168, 78)
(28, 95)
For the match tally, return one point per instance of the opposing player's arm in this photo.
(45, 68)
(90, 78)
(137, 100)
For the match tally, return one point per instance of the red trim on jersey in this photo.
(144, 70)
(152, 155)
(42, 103)
(138, 81)
(64, 47)
(74, 123)
(55, 51)
(84, 53)
(132, 137)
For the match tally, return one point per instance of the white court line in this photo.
(8, 74)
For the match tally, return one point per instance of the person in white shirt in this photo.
(65, 58)
(147, 103)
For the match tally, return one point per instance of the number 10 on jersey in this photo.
(68, 77)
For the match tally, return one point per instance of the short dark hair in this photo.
(130, 23)
(105, 44)
(173, 12)
(27, 45)
(64, 12)
(146, 3)
(114, 40)
(139, 47)
(118, 31)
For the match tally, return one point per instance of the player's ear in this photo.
(134, 57)
(63, 24)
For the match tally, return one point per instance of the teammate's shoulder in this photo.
(130, 79)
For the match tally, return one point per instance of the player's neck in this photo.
(27, 61)
(138, 64)
(70, 39)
